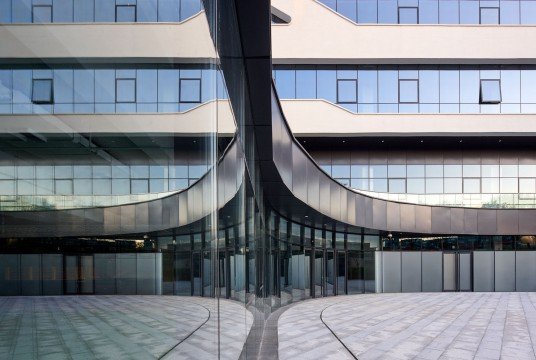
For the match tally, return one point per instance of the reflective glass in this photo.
(408, 91)
(190, 90)
(490, 171)
(286, 83)
(434, 170)
(509, 185)
(42, 91)
(470, 170)
(168, 10)
(469, 86)
(397, 186)
(408, 15)
(453, 186)
(126, 90)
(125, 13)
(346, 91)
(471, 186)
(527, 186)
(367, 11)
(490, 91)
(378, 171)
(469, 12)
(489, 15)
(528, 11)
(509, 12)
(415, 186)
(428, 11)
(449, 86)
(378, 185)
(490, 185)
(368, 85)
(387, 11)
(527, 170)
(453, 170)
(448, 12)
(42, 14)
(510, 86)
(434, 186)
(396, 171)
(340, 171)
(189, 8)
(429, 86)
(305, 84)
(388, 86)
(415, 171)
(146, 10)
(83, 11)
(347, 8)
(508, 170)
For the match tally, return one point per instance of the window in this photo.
(42, 91)
(125, 13)
(490, 91)
(408, 91)
(471, 186)
(489, 15)
(346, 91)
(125, 90)
(190, 90)
(42, 13)
(408, 15)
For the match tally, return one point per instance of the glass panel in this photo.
(490, 91)
(126, 90)
(42, 14)
(346, 91)
(125, 13)
(190, 90)
(408, 15)
(42, 91)
(409, 91)
(489, 15)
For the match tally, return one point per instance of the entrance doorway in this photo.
(79, 274)
(457, 271)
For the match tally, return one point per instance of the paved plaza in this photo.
(120, 327)
(411, 326)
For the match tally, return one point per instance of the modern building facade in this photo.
(191, 148)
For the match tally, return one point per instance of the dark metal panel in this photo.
(335, 208)
(527, 221)
(313, 186)
(457, 221)
(507, 222)
(155, 214)
(299, 173)
(361, 210)
(379, 214)
(393, 216)
(128, 218)
(487, 222)
(470, 221)
(441, 219)
(142, 217)
(325, 197)
(351, 210)
(423, 219)
(407, 217)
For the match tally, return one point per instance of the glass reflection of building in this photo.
(164, 166)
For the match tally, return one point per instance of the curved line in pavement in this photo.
(333, 332)
(190, 334)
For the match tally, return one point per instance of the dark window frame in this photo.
(135, 91)
(407, 7)
(43, 6)
(356, 92)
(180, 91)
(482, 101)
(489, 7)
(117, 6)
(399, 92)
(43, 102)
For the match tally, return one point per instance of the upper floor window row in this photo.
(107, 90)
(413, 89)
(486, 12)
(84, 11)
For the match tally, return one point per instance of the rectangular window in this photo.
(408, 91)
(125, 90)
(489, 15)
(397, 186)
(42, 13)
(490, 91)
(125, 13)
(42, 91)
(471, 186)
(408, 15)
(346, 91)
(190, 90)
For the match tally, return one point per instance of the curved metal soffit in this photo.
(182, 208)
(312, 186)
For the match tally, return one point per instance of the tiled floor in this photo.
(411, 326)
(120, 327)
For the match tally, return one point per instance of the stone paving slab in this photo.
(121, 327)
(412, 326)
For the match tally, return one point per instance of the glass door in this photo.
(319, 273)
(330, 273)
(457, 271)
(341, 273)
(79, 274)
